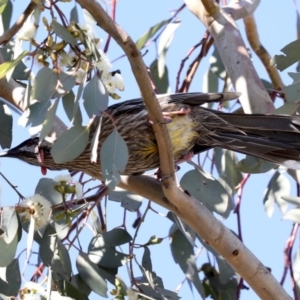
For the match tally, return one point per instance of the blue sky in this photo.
(266, 237)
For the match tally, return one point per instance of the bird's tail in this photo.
(275, 138)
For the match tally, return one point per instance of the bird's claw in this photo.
(166, 115)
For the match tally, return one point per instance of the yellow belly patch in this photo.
(182, 133)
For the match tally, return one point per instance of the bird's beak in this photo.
(8, 153)
(4, 154)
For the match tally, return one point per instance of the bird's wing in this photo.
(194, 99)
(126, 107)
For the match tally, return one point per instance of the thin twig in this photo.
(8, 35)
(12, 186)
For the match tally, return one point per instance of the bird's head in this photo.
(33, 152)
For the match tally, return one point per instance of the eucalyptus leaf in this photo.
(162, 84)
(292, 199)
(44, 85)
(9, 223)
(216, 64)
(6, 16)
(164, 44)
(63, 33)
(95, 97)
(183, 255)
(73, 292)
(54, 254)
(291, 55)
(113, 157)
(292, 91)
(20, 72)
(141, 42)
(207, 190)
(77, 281)
(72, 109)
(49, 119)
(9, 65)
(70, 144)
(45, 187)
(13, 279)
(3, 4)
(146, 259)
(128, 200)
(91, 274)
(7, 251)
(5, 126)
(74, 14)
(278, 186)
(226, 163)
(293, 215)
(254, 165)
(210, 84)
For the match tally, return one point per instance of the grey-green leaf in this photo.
(6, 16)
(114, 237)
(291, 56)
(7, 251)
(49, 119)
(146, 259)
(63, 33)
(74, 14)
(278, 186)
(254, 165)
(183, 254)
(72, 109)
(161, 81)
(9, 223)
(12, 285)
(114, 157)
(226, 163)
(5, 126)
(293, 215)
(95, 97)
(46, 189)
(207, 190)
(44, 85)
(129, 200)
(292, 199)
(140, 43)
(292, 91)
(70, 144)
(91, 274)
(8, 65)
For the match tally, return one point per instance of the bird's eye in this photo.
(30, 142)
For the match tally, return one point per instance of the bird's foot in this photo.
(167, 115)
(185, 157)
(182, 112)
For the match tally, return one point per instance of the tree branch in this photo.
(194, 213)
(8, 35)
(141, 74)
(234, 55)
(261, 52)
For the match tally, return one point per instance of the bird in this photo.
(192, 129)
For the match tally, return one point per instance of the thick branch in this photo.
(188, 209)
(235, 56)
(141, 74)
(262, 53)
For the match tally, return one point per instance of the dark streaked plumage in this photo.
(275, 138)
